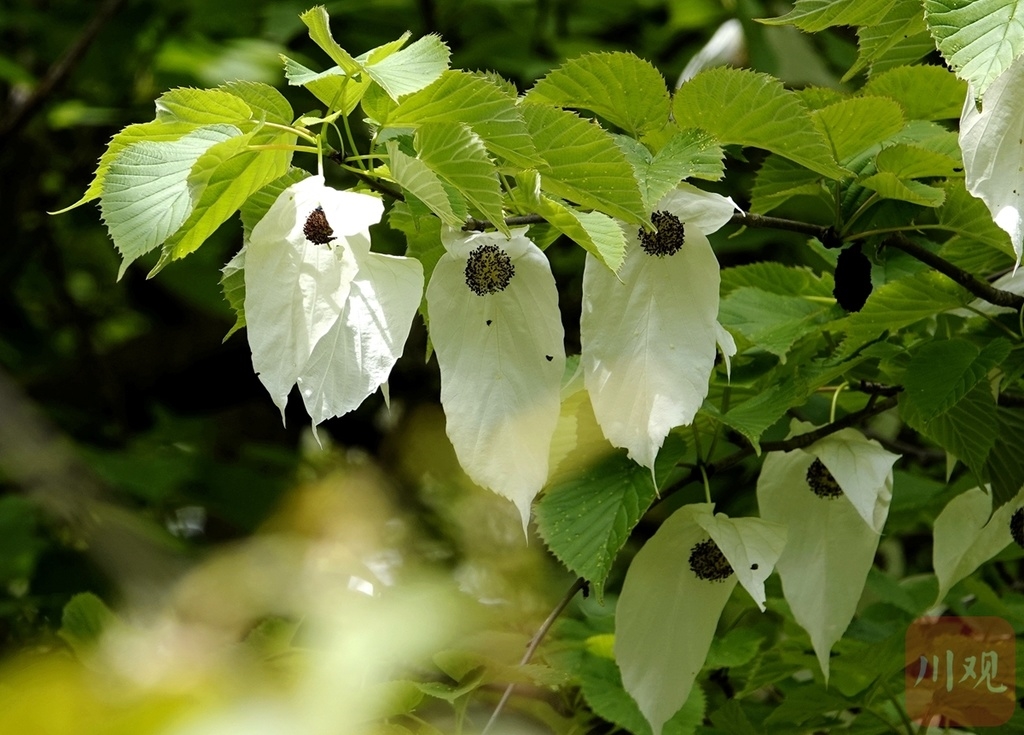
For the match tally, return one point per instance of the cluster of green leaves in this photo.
(591, 148)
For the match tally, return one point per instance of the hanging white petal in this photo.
(321, 309)
(497, 333)
(967, 534)
(649, 333)
(673, 595)
(992, 141)
(357, 354)
(833, 498)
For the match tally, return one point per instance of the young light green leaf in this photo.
(582, 163)
(146, 195)
(830, 548)
(942, 372)
(202, 107)
(319, 24)
(620, 87)
(817, 15)
(688, 153)
(667, 615)
(266, 103)
(83, 621)
(992, 141)
(967, 534)
(979, 39)
(411, 69)
(416, 177)
(333, 87)
(744, 107)
(772, 321)
(225, 177)
(900, 39)
(154, 131)
(595, 232)
(459, 96)
(858, 123)
(914, 162)
(455, 152)
(925, 92)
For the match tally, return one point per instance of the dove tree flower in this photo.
(833, 497)
(322, 310)
(967, 534)
(674, 593)
(495, 326)
(992, 141)
(649, 332)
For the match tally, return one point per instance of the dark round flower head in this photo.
(853, 279)
(317, 230)
(1017, 526)
(667, 238)
(488, 270)
(708, 562)
(821, 481)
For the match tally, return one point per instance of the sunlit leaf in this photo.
(595, 232)
(924, 92)
(416, 177)
(859, 123)
(817, 15)
(900, 39)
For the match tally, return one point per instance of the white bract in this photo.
(967, 534)
(325, 312)
(992, 141)
(673, 595)
(834, 499)
(492, 305)
(649, 332)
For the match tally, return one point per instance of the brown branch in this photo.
(58, 71)
(972, 283)
(826, 235)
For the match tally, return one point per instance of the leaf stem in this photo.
(281, 147)
(535, 642)
(292, 129)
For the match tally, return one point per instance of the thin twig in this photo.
(535, 642)
(972, 283)
(513, 221)
(58, 71)
(826, 235)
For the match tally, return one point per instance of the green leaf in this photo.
(84, 619)
(146, 194)
(267, 103)
(422, 234)
(900, 303)
(620, 87)
(232, 285)
(744, 107)
(924, 92)
(970, 222)
(942, 372)
(597, 233)
(688, 153)
(914, 162)
(858, 123)
(772, 321)
(968, 430)
(582, 163)
(411, 69)
(978, 38)
(731, 718)
(418, 179)
(462, 97)
(817, 15)
(777, 278)
(780, 180)
(202, 107)
(900, 39)
(319, 24)
(456, 153)
(225, 177)
(891, 186)
(1005, 463)
(333, 87)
